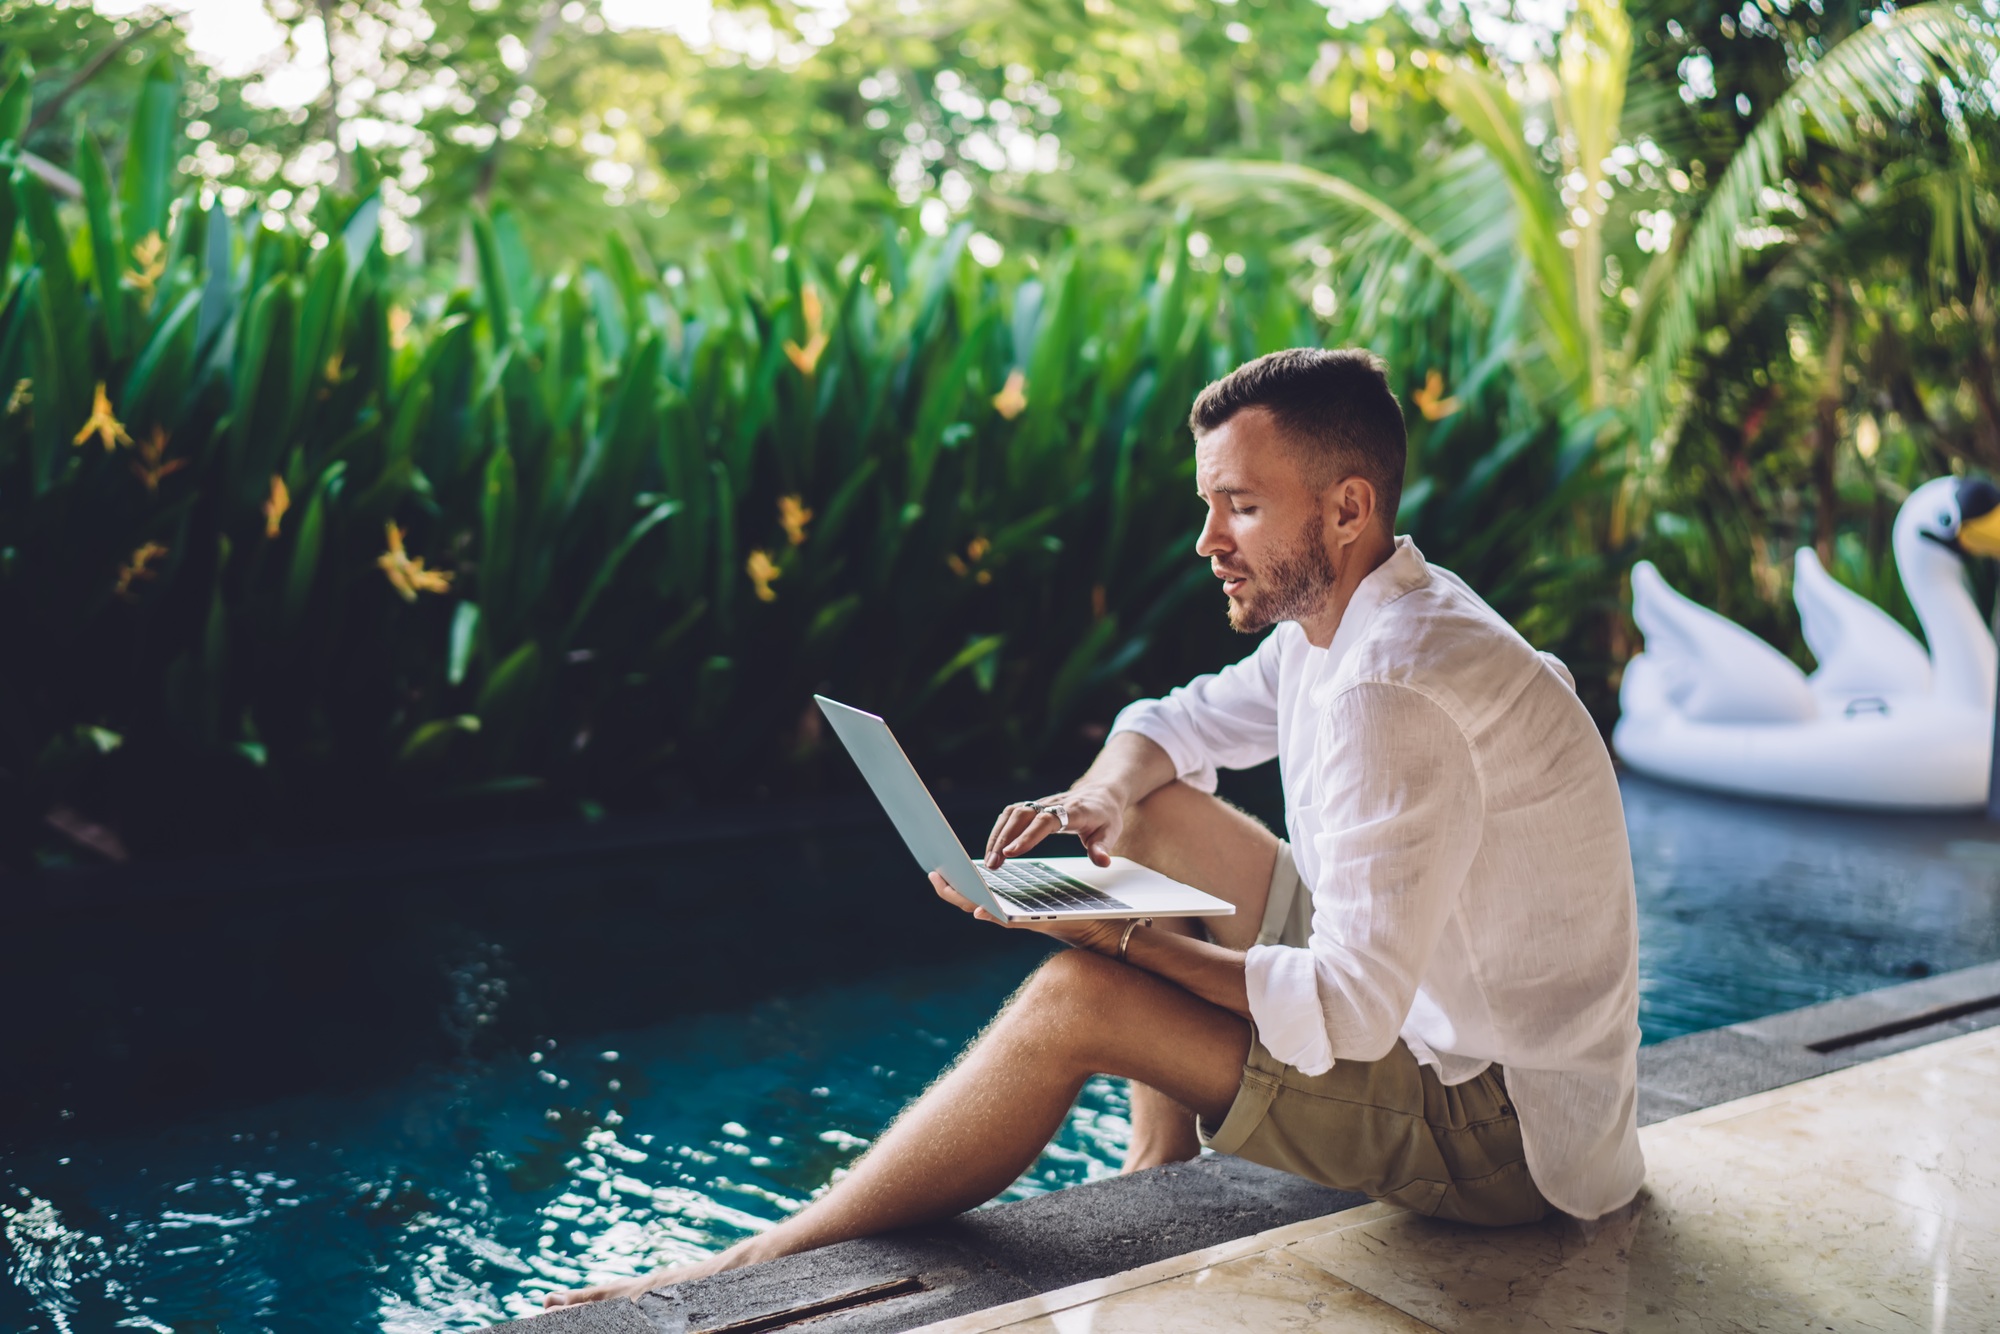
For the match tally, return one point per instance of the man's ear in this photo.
(1350, 506)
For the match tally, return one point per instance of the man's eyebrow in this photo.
(1223, 491)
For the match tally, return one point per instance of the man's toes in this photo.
(576, 1298)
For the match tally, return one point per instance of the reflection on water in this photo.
(456, 1196)
(1747, 909)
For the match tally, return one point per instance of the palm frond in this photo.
(1492, 116)
(1881, 72)
(1210, 183)
(1595, 54)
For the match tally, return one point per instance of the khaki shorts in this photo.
(1386, 1128)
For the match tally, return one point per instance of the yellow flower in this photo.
(102, 424)
(1012, 400)
(762, 572)
(153, 463)
(280, 500)
(793, 517)
(152, 256)
(409, 577)
(140, 566)
(1430, 399)
(807, 358)
(975, 551)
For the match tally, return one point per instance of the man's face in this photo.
(1265, 535)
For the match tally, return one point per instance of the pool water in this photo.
(457, 1197)
(462, 1179)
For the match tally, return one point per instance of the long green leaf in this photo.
(15, 104)
(975, 652)
(498, 502)
(500, 313)
(102, 210)
(608, 570)
(306, 546)
(151, 151)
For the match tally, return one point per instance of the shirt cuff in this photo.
(1284, 1004)
(1190, 765)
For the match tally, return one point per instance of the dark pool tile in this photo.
(1826, 1024)
(1720, 1065)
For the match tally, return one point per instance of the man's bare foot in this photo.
(632, 1289)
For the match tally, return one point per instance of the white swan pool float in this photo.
(1881, 723)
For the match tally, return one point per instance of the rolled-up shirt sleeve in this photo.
(1398, 829)
(1224, 720)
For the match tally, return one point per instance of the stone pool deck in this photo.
(1868, 1199)
(1832, 1168)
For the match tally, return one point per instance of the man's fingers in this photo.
(958, 900)
(1006, 829)
(1016, 819)
(950, 895)
(1035, 831)
(1007, 813)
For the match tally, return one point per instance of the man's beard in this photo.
(1292, 586)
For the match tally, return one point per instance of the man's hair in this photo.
(1334, 407)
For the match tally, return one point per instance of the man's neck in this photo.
(1363, 557)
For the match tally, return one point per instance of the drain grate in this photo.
(798, 1315)
(1941, 1014)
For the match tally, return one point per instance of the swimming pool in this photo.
(413, 1104)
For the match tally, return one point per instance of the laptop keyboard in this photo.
(1033, 888)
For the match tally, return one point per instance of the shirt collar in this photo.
(1404, 572)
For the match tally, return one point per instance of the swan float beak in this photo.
(1978, 517)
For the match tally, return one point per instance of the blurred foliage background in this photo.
(442, 414)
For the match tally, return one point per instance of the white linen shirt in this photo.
(1456, 818)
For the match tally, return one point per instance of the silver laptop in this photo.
(1025, 889)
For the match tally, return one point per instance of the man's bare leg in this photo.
(1199, 840)
(980, 1126)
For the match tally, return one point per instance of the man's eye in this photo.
(1242, 509)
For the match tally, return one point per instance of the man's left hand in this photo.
(1099, 935)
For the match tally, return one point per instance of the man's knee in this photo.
(1076, 980)
(1149, 822)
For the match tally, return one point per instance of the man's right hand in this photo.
(1095, 816)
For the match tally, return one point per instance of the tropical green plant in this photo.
(1564, 230)
(290, 551)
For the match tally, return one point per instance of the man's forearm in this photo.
(1215, 974)
(1131, 767)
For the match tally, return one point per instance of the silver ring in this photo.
(1056, 808)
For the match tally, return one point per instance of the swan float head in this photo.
(1959, 514)
(1942, 523)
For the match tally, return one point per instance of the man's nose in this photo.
(1210, 542)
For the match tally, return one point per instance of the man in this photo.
(1428, 994)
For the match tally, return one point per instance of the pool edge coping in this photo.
(996, 1256)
